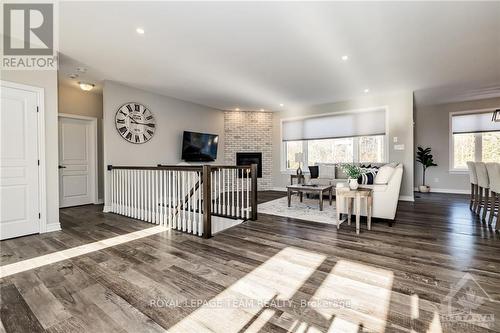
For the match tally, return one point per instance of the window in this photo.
(490, 151)
(292, 148)
(369, 149)
(474, 137)
(342, 137)
(463, 147)
(330, 151)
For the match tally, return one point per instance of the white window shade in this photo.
(335, 126)
(473, 123)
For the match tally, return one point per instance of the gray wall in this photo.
(400, 124)
(173, 116)
(73, 100)
(48, 81)
(432, 130)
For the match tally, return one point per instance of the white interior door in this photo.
(19, 183)
(76, 162)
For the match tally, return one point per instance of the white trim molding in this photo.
(406, 198)
(446, 190)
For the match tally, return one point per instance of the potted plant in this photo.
(353, 172)
(424, 157)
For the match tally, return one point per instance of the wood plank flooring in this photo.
(271, 275)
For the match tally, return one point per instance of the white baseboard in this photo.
(406, 198)
(53, 227)
(447, 190)
(106, 209)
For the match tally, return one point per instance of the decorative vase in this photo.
(299, 171)
(353, 184)
(424, 188)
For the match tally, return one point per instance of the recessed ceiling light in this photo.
(140, 31)
(345, 58)
(237, 109)
(73, 75)
(81, 69)
(366, 91)
(282, 105)
(86, 86)
(262, 110)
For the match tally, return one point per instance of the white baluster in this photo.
(136, 194)
(184, 218)
(176, 200)
(127, 191)
(233, 171)
(188, 185)
(212, 189)
(156, 206)
(248, 195)
(169, 174)
(237, 193)
(122, 192)
(200, 206)
(140, 183)
(112, 190)
(160, 197)
(148, 193)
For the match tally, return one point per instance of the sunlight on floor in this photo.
(368, 290)
(239, 307)
(51, 258)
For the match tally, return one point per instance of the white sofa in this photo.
(385, 196)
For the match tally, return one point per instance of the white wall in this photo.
(173, 116)
(400, 124)
(73, 100)
(432, 129)
(48, 81)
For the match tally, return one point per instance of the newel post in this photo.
(253, 173)
(207, 201)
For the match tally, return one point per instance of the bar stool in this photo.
(473, 185)
(483, 184)
(494, 177)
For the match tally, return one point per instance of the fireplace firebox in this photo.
(250, 158)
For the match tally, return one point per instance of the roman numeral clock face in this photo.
(135, 123)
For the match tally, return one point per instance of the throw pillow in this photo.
(314, 171)
(384, 174)
(368, 175)
(327, 171)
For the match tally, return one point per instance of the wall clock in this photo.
(135, 122)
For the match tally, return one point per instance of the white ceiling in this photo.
(254, 55)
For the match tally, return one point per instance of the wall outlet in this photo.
(436, 180)
(395, 139)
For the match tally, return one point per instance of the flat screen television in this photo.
(199, 147)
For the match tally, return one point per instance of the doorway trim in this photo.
(42, 177)
(93, 124)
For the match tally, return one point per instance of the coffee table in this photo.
(300, 189)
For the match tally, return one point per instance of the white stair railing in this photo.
(184, 197)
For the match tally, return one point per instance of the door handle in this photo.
(62, 167)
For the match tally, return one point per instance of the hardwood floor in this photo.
(271, 275)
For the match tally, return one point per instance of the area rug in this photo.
(306, 210)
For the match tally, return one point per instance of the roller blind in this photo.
(473, 123)
(335, 126)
